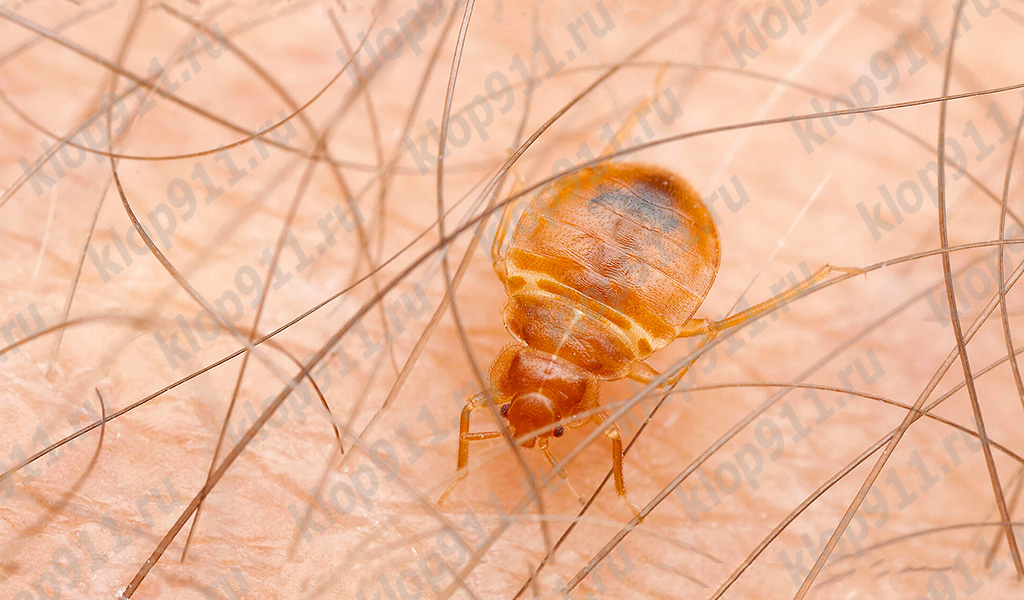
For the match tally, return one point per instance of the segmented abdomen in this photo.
(608, 265)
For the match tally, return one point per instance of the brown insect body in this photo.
(608, 265)
(605, 269)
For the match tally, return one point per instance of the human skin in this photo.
(375, 529)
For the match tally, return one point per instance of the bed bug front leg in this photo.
(465, 437)
(615, 435)
(557, 466)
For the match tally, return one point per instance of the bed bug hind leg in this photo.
(497, 258)
(646, 374)
(706, 326)
(465, 437)
(637, 116)
(615, 435)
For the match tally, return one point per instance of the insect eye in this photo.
(504, 409)
(558, 431)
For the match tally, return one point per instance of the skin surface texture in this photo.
(269, 174)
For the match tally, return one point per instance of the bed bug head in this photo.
(531, 411)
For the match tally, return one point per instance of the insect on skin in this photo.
(607, 266)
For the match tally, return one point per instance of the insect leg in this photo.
(465, 437)
(557, 466)
(642, 372)
(704, 326)
(645, 373)
(497, 259)
(635, 116)
(615, 435)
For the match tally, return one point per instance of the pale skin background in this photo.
(248, 543)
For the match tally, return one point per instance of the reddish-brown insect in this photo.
(608, 265)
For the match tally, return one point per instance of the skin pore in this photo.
(348, 186)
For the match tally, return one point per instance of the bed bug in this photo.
(607, 266)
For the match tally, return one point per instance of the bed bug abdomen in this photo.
(608, 265)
